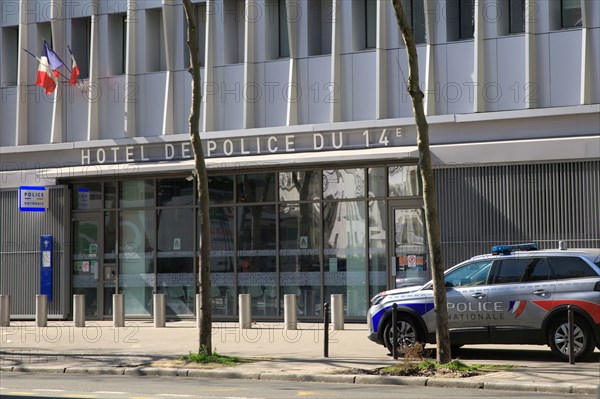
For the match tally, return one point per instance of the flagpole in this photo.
(38, 59)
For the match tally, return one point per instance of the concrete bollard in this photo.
(4, 310)
(41, 311)
(337, 311)
(118, 310)
(290, 316)
(160, 317)
(245, 311)
(79, 310)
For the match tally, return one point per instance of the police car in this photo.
(516, 295)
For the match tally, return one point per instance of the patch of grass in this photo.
(204, 358)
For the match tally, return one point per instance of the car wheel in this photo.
(409, 333)
(558, 339)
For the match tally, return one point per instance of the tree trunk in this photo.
(205, 312)
(431, 214)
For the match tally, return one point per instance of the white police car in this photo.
(516, 295)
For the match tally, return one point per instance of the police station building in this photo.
(310, 144)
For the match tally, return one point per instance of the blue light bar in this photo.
(508, 249)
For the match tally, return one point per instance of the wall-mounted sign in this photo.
(33, 199)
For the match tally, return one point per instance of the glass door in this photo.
(87, 262)
(409, 252)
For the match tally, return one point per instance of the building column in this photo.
(430, 86)
(131, 91)
(335, 114)
(57, 26)
(587, 81)
(479, 57)
(381, 94)
(292, 25)
(22, 77)
(531, 27)
(94, 84)
(208, 96)
(249, 61)
(169, 39)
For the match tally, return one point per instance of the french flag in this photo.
(74, 69)
(45, 76)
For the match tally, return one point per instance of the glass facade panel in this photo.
(344, 263)
(571, 13)
(87, 196)
(257, 257)
(222, 258)
(377, 182)
(299, 256)
(136, 193)
(378, 223)
(343, 183)
(175, 259)
(174, 192)
(220, 189)
(136, 255)
(85, 263)
(299, 186)
(258, 187)
(410, 249)
(404, 181)
(110, 195)
(516, 16)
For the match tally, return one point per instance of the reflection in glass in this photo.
(410, 249)
(220, 189)
(175, 259)
(85, 263)
(299, 250)
(377, 182)
(258, 187)
(299, 186)
(256, 256)
(343, 183)
(87, 196)
(345, 254)
(222, 231)
(404, 181)
(377, 247)
(173, 192)
(110, 194)
(136, 250)
(136, 193)
(110, 237)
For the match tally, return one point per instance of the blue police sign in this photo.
(46, 266)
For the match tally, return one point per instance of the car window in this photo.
(468, 275)
(523, 270)
(571, 267)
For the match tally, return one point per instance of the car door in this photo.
(467, 296)
(517, 283)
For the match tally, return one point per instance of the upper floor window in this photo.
(370, 24)
(415, 13)
(155, 43)
(284, 39)
(320, 19)
(117, 38)
(80, 44)
(10, 56)
(200, 14)
(516, 12)
(570, 11)
(460, 19)
(234, 17)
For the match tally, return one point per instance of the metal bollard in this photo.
(198, 303)
(79, 310)
(325, 329)
(571, 341)
(41, 311)
(290, 316)
(245, 311)
(4, 310)
(118, 310)
(337, 311)
(395, 331)
(160, 319)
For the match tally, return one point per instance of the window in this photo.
(571, 267)
(523, 270)
(233, 23)
(155, 43)
(44, 33)
(284, 41)
(370, 23)
(415, 12)
(460, 17)
(404, 181)
(516, 12)
(469, 275)
(117, 37)
(10, 56)
(570, 13)
(80, 44)
(200, 13)
(320, 19)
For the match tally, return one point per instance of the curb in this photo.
(323, 378)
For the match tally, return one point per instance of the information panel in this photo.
(46, 266)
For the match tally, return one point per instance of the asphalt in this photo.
(141, 349)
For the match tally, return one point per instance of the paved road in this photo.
(19, 385)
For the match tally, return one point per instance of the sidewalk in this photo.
(286, 355)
